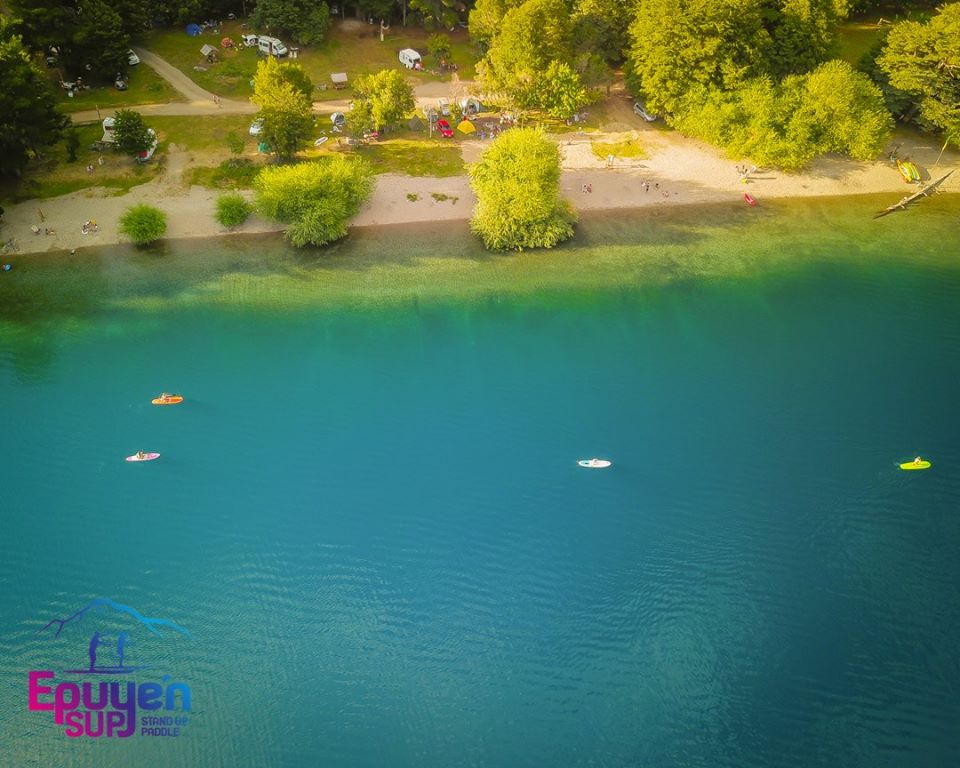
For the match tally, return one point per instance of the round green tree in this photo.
(315, 199)
(517, 182)
(232, 209)
(143, 224)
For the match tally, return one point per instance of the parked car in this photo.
(132, 58)
(445, 130)
(638, 109)
(256, 127)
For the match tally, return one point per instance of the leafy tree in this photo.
(45, 23)
(29, 120)
(486, 17)
(531, 37)
(600, 27)
(924, 60)
(376, 9)
(436, 13)
(439, 46)
(563, 93)
(803, 32)
(285, 107)
(677, 45)
(360, 118)
(89, 35)
(517, 182)
(899, 102)
(304, 21)
(99, 43)
(131, 134)
(135, 15)
(232, 209)
(315, 199)
(72, 144)
(389, 95)
(840, 111)
(787, 124)
(143, 224)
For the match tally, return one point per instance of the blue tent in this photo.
(193, 30)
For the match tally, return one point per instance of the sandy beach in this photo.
(677, 171)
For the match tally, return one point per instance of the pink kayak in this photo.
(145, 457)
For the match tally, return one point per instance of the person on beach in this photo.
(583, 188)
(590, 188)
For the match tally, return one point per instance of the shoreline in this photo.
(678, 172)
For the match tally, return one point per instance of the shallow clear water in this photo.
(369, 516)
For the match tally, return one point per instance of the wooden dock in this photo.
(922, 192)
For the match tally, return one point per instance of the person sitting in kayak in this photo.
(165, 395)
(141, 455)
(918, 460)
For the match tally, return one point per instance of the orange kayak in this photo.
(167, 400)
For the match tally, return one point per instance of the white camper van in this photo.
(410, 59)
(272, 46)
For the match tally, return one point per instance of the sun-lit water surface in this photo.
(369, 516)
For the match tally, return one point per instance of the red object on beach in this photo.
(749, 199)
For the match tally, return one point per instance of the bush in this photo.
(232, 209)
(143, 224)
(316, 199)
(130, 132)
(234, 142)
(72, 144)
(517, 182)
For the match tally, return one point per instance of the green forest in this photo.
(764, 79)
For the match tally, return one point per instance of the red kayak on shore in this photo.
(749, 199)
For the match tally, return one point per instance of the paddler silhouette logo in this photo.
(98, 698)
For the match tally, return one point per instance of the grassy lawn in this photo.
(206, 133)
(854, 39)
(55, 176)
(234, 173)
(355, 51)
(414, 156)
(146, 87)
(856, 36)
(625, 148)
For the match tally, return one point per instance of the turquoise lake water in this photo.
(369, 517)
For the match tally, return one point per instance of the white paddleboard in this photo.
(594, 463)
